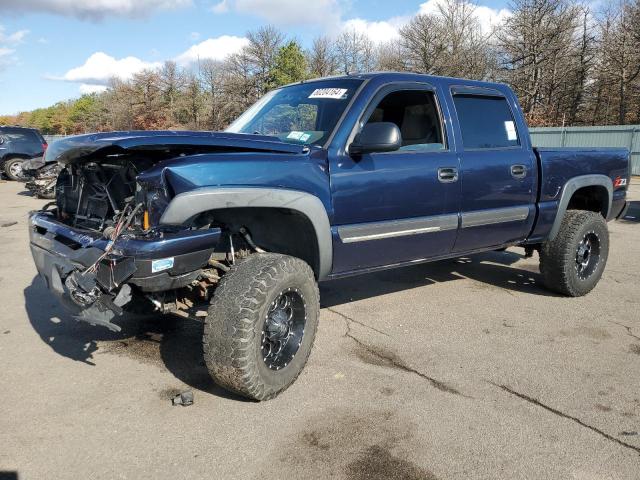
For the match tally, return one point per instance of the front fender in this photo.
(187, 205)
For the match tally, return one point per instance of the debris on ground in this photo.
(185, 399)
(8, 224)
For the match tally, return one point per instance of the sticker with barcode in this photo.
(335, 93)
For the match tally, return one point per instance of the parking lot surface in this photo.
(461, 369)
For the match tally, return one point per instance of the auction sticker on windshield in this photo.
(336, 93)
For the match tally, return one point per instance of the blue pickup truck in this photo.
(318, 180)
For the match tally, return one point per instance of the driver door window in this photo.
(416, 115)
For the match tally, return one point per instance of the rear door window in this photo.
(486, 122)
(21, 136)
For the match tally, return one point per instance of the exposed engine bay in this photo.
(94, 196)
(128, 262)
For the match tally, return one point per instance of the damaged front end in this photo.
(98, 276)
(100, 247)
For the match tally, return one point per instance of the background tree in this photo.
(289, 66)
(355, 52)
(321, 58)
(568, 65)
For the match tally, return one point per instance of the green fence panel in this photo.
(626, 136)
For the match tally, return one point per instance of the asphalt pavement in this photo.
(461, 369)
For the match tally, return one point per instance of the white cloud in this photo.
(487, 16)
(99, 68)
(7, 43)
(286, 12)
(386, 30)
(87, 88)
(213, 48)
(92, 9)
(490, 17)
(378, 32)
(94, 74)
(221, 7)
(13, 38)
(194, 36)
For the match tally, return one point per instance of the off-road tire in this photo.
(7, 168)
(234, 325)
(558, 264)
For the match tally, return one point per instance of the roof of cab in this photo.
(409, 76)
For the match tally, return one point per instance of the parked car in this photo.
(318, 180)
(18, 144)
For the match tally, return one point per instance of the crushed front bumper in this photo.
(62, 255)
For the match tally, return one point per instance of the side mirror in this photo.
(377, 137)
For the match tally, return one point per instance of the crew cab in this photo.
(318, 180)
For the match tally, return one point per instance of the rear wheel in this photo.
(573, 262)
(261, 325)
(13, 168)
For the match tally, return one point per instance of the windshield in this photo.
(304, 113)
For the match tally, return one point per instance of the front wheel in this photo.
(573, 262)
(13, 168)
(261, 325)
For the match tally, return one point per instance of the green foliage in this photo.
(290, 65)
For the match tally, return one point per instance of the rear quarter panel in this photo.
(559, 165)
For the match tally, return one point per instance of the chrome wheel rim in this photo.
(283, 329)
(16, 169)
(587, 255)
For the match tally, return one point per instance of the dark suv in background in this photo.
(18, 144)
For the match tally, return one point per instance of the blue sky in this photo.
(52, 50)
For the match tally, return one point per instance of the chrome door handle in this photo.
(518, 171)
(448, 174)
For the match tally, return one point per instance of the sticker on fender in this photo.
(162, 264)
(335, 93)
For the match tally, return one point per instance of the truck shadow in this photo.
(488, 270)
(166, 341)
(176, 343)
(633, 213)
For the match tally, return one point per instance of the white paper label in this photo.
(295, 135)
(305, 137)
(511, 130)
(336, 93)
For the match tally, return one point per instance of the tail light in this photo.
(44, 147)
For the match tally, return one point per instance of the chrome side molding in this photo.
(397, 228)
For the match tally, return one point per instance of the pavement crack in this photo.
(627, 328)
(352, 320)
(392, 360)
(557, 412)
